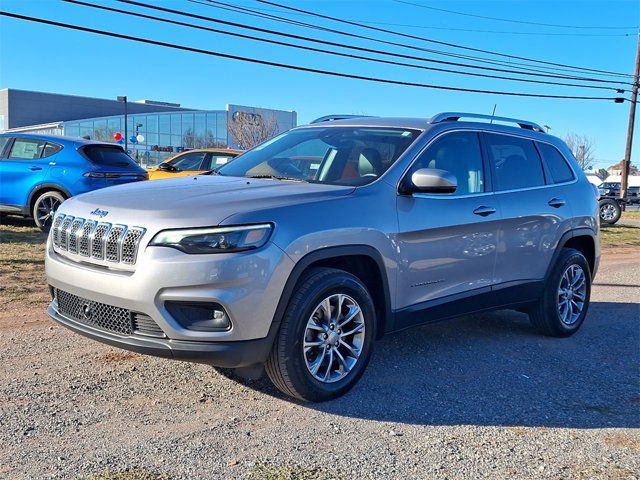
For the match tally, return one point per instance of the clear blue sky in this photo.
(38, 57)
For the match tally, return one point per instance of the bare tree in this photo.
(582, 148)
(251, 129)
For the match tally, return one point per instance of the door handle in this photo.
(484, 211)
(34, 168)
(557, 202)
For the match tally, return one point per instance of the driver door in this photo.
(447, 242)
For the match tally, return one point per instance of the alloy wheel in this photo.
(607, 212)
(334, 338)
(46, 209)
(572, 293)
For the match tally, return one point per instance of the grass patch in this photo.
(619, 236)
(135, 474)
(286, 472)
(631, 214)
(22, 248)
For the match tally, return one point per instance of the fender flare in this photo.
(576, 232)
(324, 254)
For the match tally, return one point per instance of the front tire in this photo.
(610, 211)
(325, 338)
(565, 300)
(44, 208)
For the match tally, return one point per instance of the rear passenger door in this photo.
(535, 209)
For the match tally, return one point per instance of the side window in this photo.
(189, 161)
(3, 144)
(560, 171)
(50, 149)
(458, 153)
(26, 149)
(516, 162)
(217, 160)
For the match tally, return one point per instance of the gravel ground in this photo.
(480, 396)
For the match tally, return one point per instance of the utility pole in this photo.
(624, 183)
(126, 138)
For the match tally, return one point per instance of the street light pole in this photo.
(626, 163)
(126, 136)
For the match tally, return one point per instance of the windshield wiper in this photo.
(276, 177)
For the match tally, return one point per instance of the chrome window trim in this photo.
(485, 130)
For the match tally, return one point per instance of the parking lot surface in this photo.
(479, 396)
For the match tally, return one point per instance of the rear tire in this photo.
(564, 303)
(609, 210)
(44, 208)
(325, 338)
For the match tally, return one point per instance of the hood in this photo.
(201, 200)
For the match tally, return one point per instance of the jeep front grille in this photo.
(105, 317)
(98, 241)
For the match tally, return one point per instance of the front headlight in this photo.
(214, 239)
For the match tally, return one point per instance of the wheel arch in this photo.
(43, 188)
(363, 261)
(581, 239)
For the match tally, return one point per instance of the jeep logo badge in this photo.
(100, 213)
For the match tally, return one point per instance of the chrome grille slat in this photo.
(64, 232)
(99, 242)
(84, 242)
(76, 225)
(145, 325)
(113, 242)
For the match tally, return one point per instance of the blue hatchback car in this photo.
(38, 172)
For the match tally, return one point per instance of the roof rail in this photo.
(455, 116)
(332, 118)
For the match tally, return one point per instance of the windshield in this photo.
(333, 155)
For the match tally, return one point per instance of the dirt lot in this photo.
(481, 396)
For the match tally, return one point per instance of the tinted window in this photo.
(188, 161)
(458, 153)
(108, 156)
(560, 171)
(26, 149)
(515, 161)
(51, 149)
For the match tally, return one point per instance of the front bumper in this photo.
(220, 354)
(247, 285)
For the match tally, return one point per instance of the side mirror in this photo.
(166, 167)
(433, 180)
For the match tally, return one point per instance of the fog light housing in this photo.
(200, 316)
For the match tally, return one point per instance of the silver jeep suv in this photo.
(300, 253)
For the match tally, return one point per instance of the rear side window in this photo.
(560, 171)
(516, 162)
(108, 156)
(51, 149)
(26, 149)
(216, 161)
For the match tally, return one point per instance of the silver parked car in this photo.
(304, 250)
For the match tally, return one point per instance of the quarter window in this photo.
(516, 162)
(188, 162)
(26, 149)
(457, 153)
(51, 149)
(3, 143)
(560, 171)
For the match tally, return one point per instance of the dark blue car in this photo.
(38, 172)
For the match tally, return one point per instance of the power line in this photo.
(598, 27)
(330, 52)
(449, 44)
(362, 49)
(472, 30)
(294, 67)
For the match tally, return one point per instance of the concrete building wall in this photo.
(22, 108)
